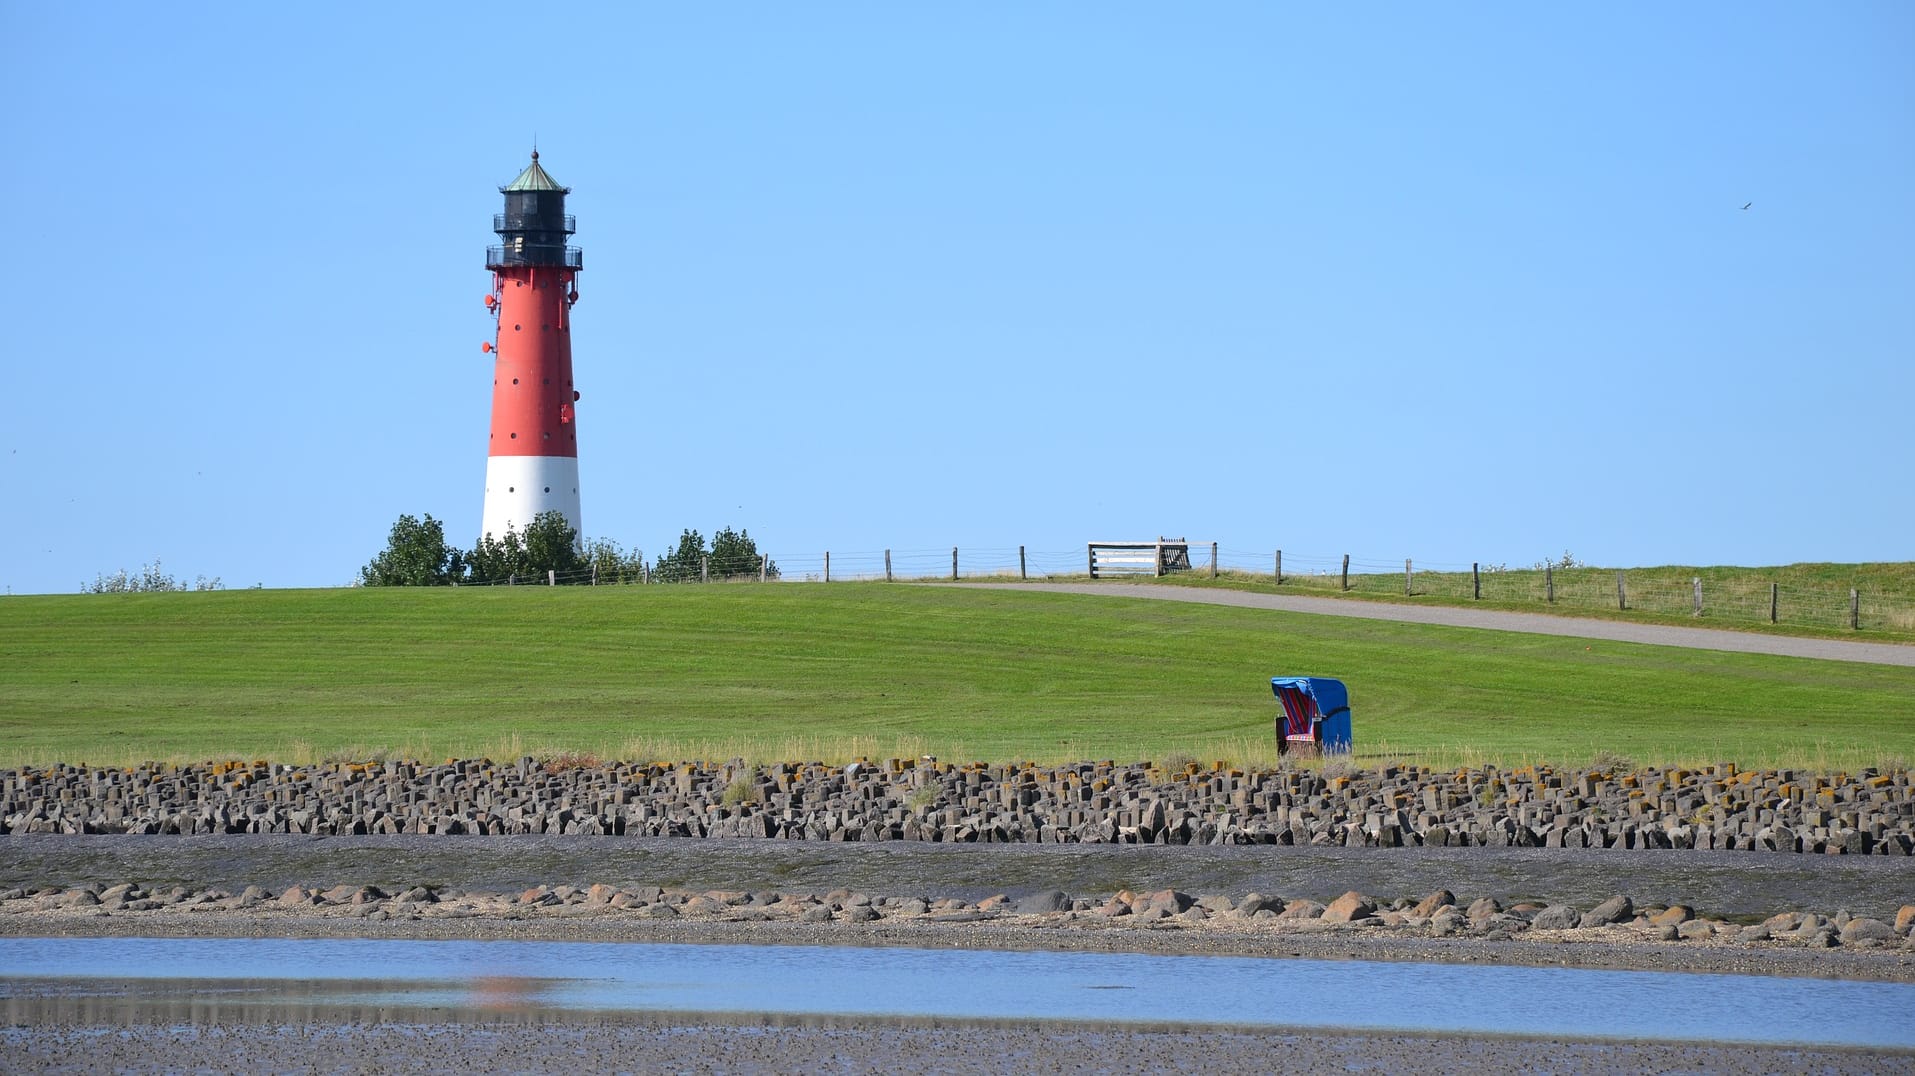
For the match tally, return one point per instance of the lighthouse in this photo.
(532, 458)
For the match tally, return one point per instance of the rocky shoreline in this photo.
(1438, 926)
(1718, 807)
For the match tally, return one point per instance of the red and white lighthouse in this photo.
(532, 458)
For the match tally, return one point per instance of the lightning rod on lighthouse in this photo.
(532, 458)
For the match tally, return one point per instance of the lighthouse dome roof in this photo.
(534, 178)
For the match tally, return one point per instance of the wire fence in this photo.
(1740, 598)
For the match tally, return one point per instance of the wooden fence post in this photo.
(1279, 567)
(1346, 571)
(1772, 602)
(595, 573)
(551, 577)
(1549, 583)
(1855, 608)
(827, 565)
(1090, 560)
(1408, 590)
(1696, 582)
(764, 566)
(1021, 574)
(1622, 593)
(704, 569)
(954, 564)
(887, 565)
(1476, 580)
(1213, 560)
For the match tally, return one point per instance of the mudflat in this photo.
(1689, 911)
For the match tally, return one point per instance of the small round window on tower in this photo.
(515, 437)
(548, 489)
(515, 381)
(515, 328)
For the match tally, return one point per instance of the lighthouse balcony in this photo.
(530, 222)
(507, 257)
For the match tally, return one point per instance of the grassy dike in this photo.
(816, 671)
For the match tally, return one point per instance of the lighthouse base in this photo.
(520, 488)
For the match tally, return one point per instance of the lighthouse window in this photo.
(515, 381)
(548, 489)
(515, 437)
(515, 328)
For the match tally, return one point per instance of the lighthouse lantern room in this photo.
(532, 462)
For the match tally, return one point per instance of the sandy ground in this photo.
(336, 1045)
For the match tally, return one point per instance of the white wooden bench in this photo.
(1139, 558)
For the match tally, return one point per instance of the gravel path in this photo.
(1494, 620)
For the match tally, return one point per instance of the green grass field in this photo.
(834, 671)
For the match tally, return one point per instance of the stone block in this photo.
(1301, 909)
(1614, 910)
(1349, 907)
(1044, 902)
(1865, 929)
(1257, 902)
(1556, 917)
(1170, 900)
(1674, 915)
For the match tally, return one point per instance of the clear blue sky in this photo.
(1451, 282)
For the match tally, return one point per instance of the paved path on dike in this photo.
(1496, 620)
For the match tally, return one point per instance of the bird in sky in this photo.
(1746, 205)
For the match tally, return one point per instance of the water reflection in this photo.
(202, 982)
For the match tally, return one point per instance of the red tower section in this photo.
(532, 453)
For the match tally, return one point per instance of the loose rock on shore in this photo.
(1233, 922)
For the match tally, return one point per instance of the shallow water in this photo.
(506, 976)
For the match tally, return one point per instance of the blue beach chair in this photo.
(1315, 715)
